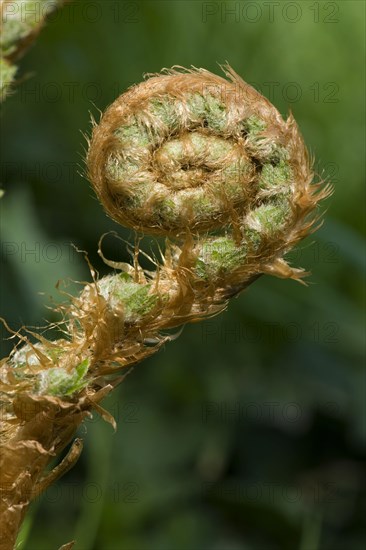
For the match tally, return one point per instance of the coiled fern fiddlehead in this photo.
(207, 162)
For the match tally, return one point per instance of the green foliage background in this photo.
(248, 431)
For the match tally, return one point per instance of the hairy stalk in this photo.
(21, 21)
(207, 162)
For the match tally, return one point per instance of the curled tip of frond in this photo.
(187, 152)
(208, 163)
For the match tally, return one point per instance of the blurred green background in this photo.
(248, 431)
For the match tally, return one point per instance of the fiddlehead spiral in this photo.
(203, 160)
(192, 153)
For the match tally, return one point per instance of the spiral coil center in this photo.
(183, 153)
(180, 163)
